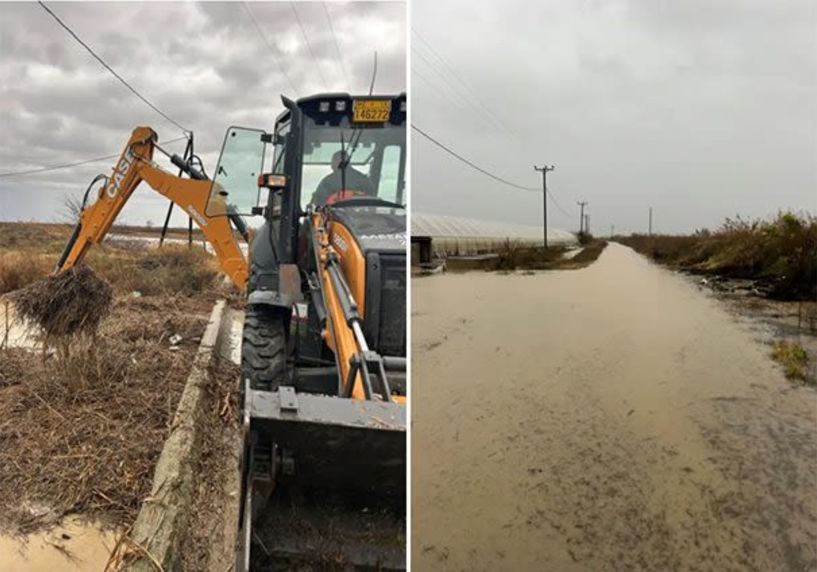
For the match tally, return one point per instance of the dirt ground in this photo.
(610, 418)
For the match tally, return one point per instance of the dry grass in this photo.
(18, 270)
(81, 433)
(793, 358)
(171, 270)
(45, 238)
(29, 252)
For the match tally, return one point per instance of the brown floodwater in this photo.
(73, 546)
(609, 418)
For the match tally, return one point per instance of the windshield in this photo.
(361, 160)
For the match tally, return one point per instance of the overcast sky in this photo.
(701, 109)
(203, 64)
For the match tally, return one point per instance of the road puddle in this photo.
(609, 418)
(73, 546)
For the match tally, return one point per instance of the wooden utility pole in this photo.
(581, 204)
(544, 170)
(650, 233)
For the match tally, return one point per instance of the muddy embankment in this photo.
(611, 418)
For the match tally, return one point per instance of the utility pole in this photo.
(587, 223)
(544, 170)
(612, 230)
(581, 204)
(650, 233)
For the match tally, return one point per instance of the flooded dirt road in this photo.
(610, 418)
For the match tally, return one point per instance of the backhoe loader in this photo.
(323, 382)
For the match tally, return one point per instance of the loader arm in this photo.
(134, 166)
(357, 364)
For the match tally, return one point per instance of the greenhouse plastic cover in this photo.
(458, 228)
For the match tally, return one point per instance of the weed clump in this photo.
(66, 304)
(792, 357)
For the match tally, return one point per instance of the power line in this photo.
(457, 76)
(467, 91)
(337, 47)
(110, 69)
(55, 167)
(308, 45)
(273, 51)
(483, 171)
(460, 99)
(69, 165)
(469, 163)
(416, 73)
(556, 203)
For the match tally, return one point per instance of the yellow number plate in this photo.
(372, 111)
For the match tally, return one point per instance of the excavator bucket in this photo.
(337, 468)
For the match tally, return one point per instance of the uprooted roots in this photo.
(72, 302)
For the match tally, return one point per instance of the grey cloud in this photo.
(202, 63)
(701, 109)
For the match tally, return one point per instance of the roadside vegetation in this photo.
(514, 256)
(28, 253)
(779, 253)
(794, 360)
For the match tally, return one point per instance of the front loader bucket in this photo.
(334, 443)
(339, 474)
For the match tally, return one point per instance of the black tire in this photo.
(263, 349)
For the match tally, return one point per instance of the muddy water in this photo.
(74, 546)
(610, 418)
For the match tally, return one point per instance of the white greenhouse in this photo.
(442, 236)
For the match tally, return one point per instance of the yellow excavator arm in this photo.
(136, 165)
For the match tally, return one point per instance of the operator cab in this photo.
(304, 174)
(367, 133)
